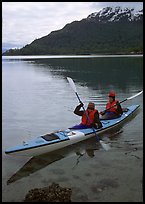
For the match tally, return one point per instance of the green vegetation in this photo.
(88, 37)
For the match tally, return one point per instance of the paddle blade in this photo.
(105, 146)
(72, 84)
(135, 95)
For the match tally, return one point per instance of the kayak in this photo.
(59, 139)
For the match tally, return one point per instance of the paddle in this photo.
(129, 98)
(72, 84)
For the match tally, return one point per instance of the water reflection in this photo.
(117, 72)
(38, 162)
(43, 95)
(88, 147)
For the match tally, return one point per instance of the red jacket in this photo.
(112, 104)
(85, 120)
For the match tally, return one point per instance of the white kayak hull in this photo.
(57, 140)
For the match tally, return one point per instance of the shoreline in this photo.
(70, 56)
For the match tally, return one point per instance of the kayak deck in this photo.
(59, 139)
(107, 124)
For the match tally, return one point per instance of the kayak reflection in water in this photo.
(90, 117)
(113, 108)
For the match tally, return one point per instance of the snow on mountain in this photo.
(116, 14)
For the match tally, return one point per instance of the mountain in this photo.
(109, 31)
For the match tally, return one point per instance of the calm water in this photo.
(37, 99)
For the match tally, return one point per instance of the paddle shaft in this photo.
(72, 84)
(83, 108)
(87, 116)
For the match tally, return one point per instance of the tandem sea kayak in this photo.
(57, 140)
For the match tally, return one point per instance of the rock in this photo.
(52, 193)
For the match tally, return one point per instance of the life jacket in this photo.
(91, 115)
(112, 104)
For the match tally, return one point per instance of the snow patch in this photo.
(116, 13)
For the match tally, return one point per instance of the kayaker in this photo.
(113, 108)
(93, 115)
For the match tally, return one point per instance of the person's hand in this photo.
(102, 112)
(117, 103)
(81, 104)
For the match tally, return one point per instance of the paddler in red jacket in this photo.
(113, 108)
(90, 117)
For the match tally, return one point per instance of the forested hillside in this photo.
(106, 32)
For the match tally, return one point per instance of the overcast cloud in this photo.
(23, 22)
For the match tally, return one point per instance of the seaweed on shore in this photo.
(52, 193)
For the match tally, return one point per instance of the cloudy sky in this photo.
(23, 22)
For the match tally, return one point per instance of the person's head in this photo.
(91, 106)
(111, 96)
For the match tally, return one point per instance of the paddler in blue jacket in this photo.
(92, 113)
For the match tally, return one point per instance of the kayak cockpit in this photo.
(60, 135)
(50, 137)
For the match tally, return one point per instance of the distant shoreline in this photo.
(70, 56)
